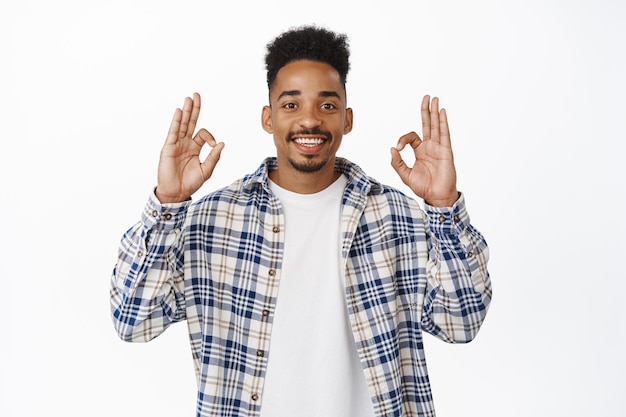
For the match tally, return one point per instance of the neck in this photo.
(304, 182)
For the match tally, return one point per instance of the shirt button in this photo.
(456, 218)
(442, 218)
(265, 313)
(168, 216)
(155, 213)
(140, 254)
(260, 353)
(255, 396)
(272, 272)
(276, 229)
(470, 254)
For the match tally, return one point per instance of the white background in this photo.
(535, 99)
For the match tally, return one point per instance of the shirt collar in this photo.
(354, 173)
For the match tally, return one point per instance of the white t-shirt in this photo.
(313, 366)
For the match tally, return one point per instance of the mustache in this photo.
(310, 132)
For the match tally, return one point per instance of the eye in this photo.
(328, 106)
(289, 106)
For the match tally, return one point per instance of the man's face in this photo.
(307, 116)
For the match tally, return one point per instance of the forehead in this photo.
(308, 77)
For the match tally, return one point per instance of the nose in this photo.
(309, 117)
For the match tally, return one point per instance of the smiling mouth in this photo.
(310, 142)
(310, 138)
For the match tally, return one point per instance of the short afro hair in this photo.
(311, 43)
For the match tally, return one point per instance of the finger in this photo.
(426, 117)
(195, 113)
(172, 134)
(410, 138)
(434, 120)
(184, 122)
(443, 127)
(204, 136)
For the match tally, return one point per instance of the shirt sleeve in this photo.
(147, 289)
(458, 290)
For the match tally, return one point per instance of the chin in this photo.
(308, 166)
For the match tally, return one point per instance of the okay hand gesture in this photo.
(433, 176)
(181, 173)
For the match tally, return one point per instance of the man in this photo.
(305, 285)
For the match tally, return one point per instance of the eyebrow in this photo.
(298, 92)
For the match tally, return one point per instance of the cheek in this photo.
(282, 125)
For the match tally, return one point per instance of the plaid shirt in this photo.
(217, 265)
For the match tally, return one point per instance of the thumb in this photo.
(209, 163)
(399, 165)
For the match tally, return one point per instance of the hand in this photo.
(180, 171)
(433, 176)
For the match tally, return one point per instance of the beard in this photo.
(309, 165)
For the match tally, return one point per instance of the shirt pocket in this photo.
(385, 277)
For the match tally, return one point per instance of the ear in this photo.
(347, 126)
(266, 119)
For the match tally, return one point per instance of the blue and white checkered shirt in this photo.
(217, 263)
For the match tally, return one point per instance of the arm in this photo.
(147, 290)
(458, 290)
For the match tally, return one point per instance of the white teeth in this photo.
(309, 141)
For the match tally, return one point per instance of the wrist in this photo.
(165, 199)
(444, 202)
